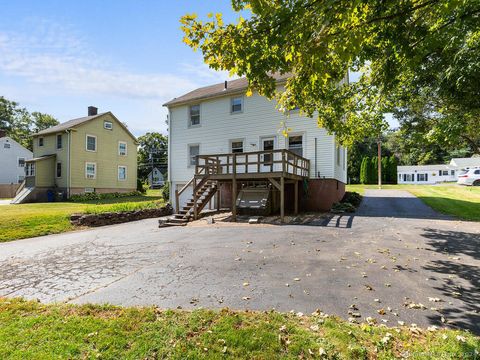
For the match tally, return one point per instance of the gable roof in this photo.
(424, 167)
(70, 124)
(206, 92)
(463, 162)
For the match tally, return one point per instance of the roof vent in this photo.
(92, 111)
(226, 85)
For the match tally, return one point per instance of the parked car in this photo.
(469, 177)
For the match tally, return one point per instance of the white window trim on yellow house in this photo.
(119, 149)
(86, 142)
(94, 172)
(118, 175)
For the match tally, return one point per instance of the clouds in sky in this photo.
(58, 58)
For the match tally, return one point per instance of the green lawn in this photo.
(451, 199)
(36, 219)
(36, 331)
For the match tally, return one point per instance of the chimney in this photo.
(2, 133)
(92, 111)
(226, 85)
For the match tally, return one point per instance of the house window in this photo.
(193, 151)
(6, 146)
(21, 178)
(90, 170)
(444, 172)
(236, 146)
(452, 172)
(59, 169)
(40, 141)
(89, 190)
(122, 173)
(59, 141)
(236, 104)
(423, 177)
(194, 112)
(107, 125)
(409, 177)
(295, 144)
(122, 148)
(21, 162)
(30, 169)
(91, 143)
(399, 176)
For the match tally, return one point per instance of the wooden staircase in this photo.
(203, 193)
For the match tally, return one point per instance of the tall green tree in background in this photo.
(19, 124)
(365, 170)
(392, 169)
(406, 51)
(374, 170)
(152, 151)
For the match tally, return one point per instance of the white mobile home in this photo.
(224, 142)
(426, 174)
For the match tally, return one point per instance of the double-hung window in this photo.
(237, 146)
(295, 144)
(122, 148)
(91, 143)
(423, 177)
(194, 115)
(193, 151)
(236, 104)
(122, 173)
(21, 162)
(90, 170)
(30, 169)
(40, 141)
(59, 141)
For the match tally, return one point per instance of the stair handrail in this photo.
(20, 188)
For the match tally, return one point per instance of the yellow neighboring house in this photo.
(96, 153)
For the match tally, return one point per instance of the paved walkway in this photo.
(415, 266)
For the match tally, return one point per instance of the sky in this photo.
(124, 56)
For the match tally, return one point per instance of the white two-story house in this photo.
(234, 141)
(13, 157)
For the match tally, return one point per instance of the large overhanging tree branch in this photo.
(393, 43)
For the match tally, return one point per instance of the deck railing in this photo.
(256, 162)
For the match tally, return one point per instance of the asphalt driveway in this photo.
(395, 260)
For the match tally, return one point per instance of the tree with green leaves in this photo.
(403, 50)
(19, 124)
(364, 170)
(374, 170)
(392, 169)
(152, 152)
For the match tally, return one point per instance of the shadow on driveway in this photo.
(460, 273)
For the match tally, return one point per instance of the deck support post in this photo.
(195, 215)
(234, 189)
(295, 184)
(177, 201)
(217, 196)
(282, 199)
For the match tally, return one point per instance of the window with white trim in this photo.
(6, 146)
(236, 104)
(21, 162)
(236, 146)
(89, 190)
(21, 178)
(122, 173)
(122, 148)
(193, 151)
(90, 170)
(423, 177)
(40, 141)
(107, 125)
(91, 143)
(30, 169)
(194, 115)
(295, 144)
(59, 141)
(59, 170)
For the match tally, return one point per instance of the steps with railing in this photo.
(203, 192)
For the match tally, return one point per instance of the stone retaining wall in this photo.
(119, 217)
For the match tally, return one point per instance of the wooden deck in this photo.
(276, 166)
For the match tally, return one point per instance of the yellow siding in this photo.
(106, 156)
(45, 172)
(50, 148)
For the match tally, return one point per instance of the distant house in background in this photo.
(96, 153)
(155, 178)
(432, 174)
(12, 165)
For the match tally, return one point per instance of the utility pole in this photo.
(379, 148)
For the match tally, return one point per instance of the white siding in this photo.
(260, 118)
(10, 171)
